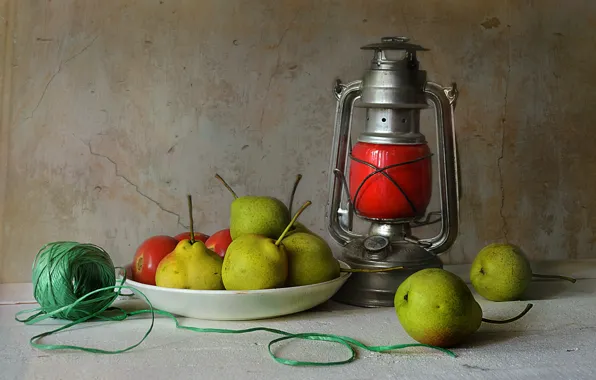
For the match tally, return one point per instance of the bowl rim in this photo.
(343, 276)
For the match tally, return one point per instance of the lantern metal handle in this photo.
(339, 218)
(443, 100)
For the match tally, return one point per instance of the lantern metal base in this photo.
(378, 289)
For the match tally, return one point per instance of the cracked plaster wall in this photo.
(114, 110)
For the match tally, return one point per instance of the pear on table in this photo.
(436, 307)
(502, 272)
(256, 215)
(191, 265)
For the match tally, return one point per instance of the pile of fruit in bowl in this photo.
(262, 248)
(263, 264)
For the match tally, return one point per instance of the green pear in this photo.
(500, 272)
(436, 307)
(299, 227)
(310, 259)
(190, 266)
(256, 215)
(254, 262)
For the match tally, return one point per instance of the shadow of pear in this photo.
(546, 289)
(483, 338)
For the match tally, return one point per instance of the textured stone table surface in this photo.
(555, 340)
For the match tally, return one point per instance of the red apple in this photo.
(186, 235)
(219, 241)
(148, 256)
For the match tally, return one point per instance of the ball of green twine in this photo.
(63, 272)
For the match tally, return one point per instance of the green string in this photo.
(72, 281)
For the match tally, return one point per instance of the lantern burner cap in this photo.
(376, 246)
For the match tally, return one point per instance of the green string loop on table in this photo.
(74, 281)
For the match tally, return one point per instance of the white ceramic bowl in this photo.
(239, 305)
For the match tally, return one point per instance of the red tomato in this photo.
(148, 256)
(186, 235)
(219, 241)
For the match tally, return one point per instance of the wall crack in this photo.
(136, 187)
(60, 66)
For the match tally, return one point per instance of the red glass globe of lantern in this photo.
(380, 198)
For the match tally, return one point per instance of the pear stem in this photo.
(226, 185)
(528, 307)
(570, 279)
(192, 228)
(298, 178)
(362, 270)
(283, 234)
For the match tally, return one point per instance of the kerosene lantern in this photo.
(386, 178)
